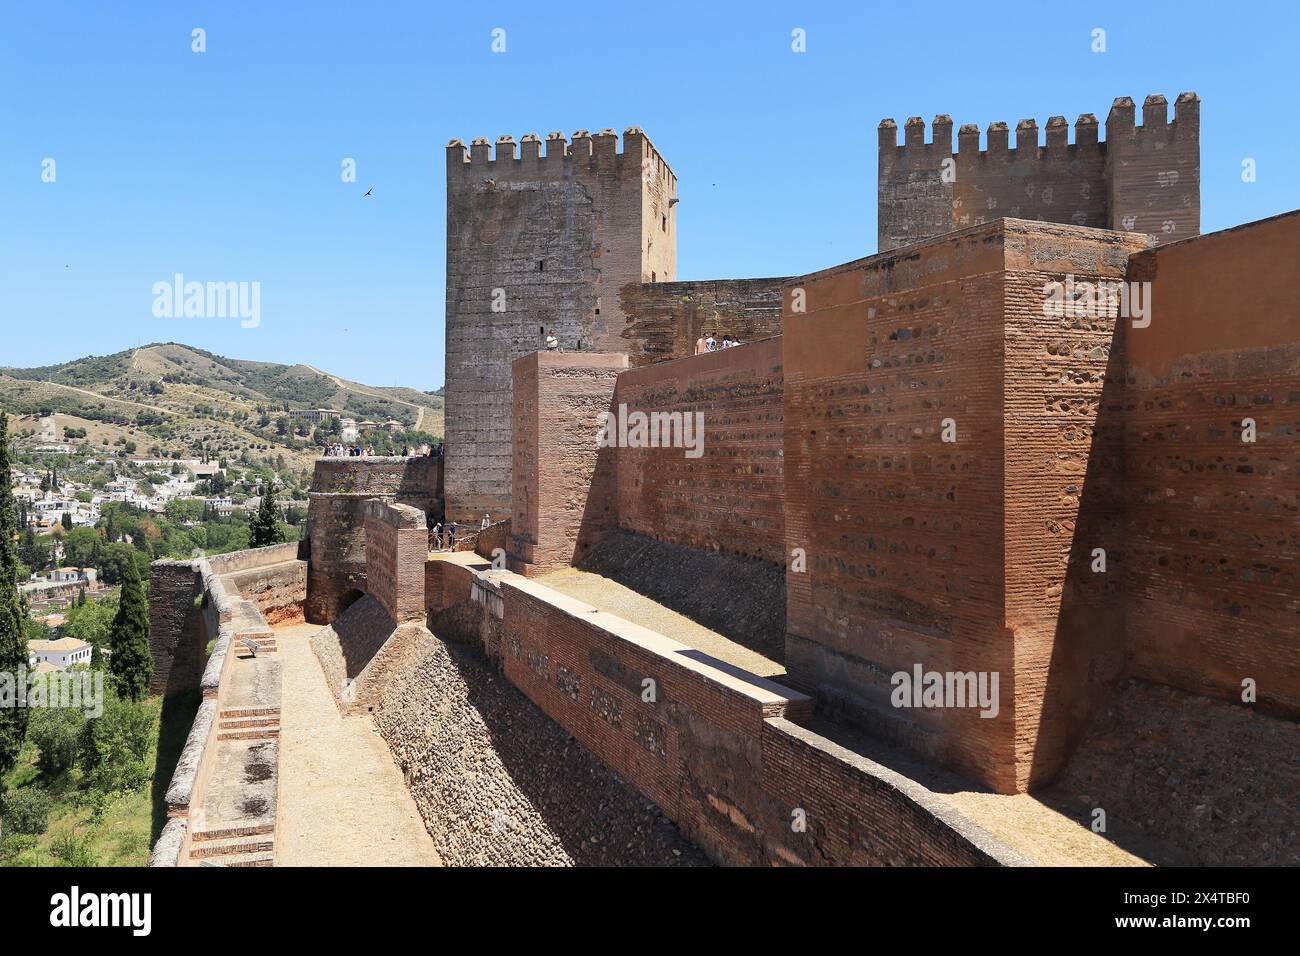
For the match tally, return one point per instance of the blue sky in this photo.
(225, 165)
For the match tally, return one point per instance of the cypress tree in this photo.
(131, 666)
(264, 525)
(13, 646)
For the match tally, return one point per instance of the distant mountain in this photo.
(179, 398)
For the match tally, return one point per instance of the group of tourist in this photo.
(338, 450)
(707, 343)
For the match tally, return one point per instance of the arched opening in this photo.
(348, 599)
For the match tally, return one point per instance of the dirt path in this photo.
(342, 799)
(364, 390)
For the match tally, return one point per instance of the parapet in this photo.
(1141, 178)
(1122, 116)
(598, 150)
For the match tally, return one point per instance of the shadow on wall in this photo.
(178, 710)
(743, 599)
(1088, 650)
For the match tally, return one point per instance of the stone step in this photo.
(248, 734)
(249, 712)
(229, 833)
(248, 723)
(229, 849)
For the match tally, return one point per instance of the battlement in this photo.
(597, 150)
(1140, 178)
(1120, 120)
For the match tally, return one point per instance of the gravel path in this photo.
(343, 801)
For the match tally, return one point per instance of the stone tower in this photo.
(539, 244)
(1141, 179)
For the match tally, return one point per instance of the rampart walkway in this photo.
(342, 799)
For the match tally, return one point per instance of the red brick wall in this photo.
(397, 549)
(903, 533)
(712, 748)
(732, 497)
(947, 555)
(562, 483)
(666, 318)
(1212, 563)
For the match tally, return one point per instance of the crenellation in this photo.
(1058, 137)
(998, 139)
(1085, 131)
(1026, 137)
(1142, 178)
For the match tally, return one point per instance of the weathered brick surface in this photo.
(563, 483)
(1142, 178)
(397, 547)
(707, 745)
(1212, 549)
(559, 235)
(175, 638)
(665, 319)
(730, 498)
(915, 553)
(336, 524)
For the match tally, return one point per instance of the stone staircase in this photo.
(249, 723)
(234, 846)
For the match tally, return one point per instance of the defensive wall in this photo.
(1142, 178)
(1211, 562)
(665, 319)
(1095, 513)
(222, 800)
(719, 750)
(340, 489)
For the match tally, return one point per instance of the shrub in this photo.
(57, 733)
(69, 849)
(27, 811)
(115, 747)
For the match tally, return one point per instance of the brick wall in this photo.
(665, 319)
(730, 498)
(1211, 559)
(174, 635)
(563, 483)
(710, 745)
(336, 526)
(397, 547)
(915, 552)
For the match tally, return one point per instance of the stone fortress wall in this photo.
(223, 798)
(336, 520)
(1142, 178)
(927, 458)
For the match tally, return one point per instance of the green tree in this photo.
(13, 644)
(56, 732)
(264, 525)
(66, 521)
(131, 666)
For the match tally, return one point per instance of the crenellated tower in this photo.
(539, 241)
(1143, 178)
